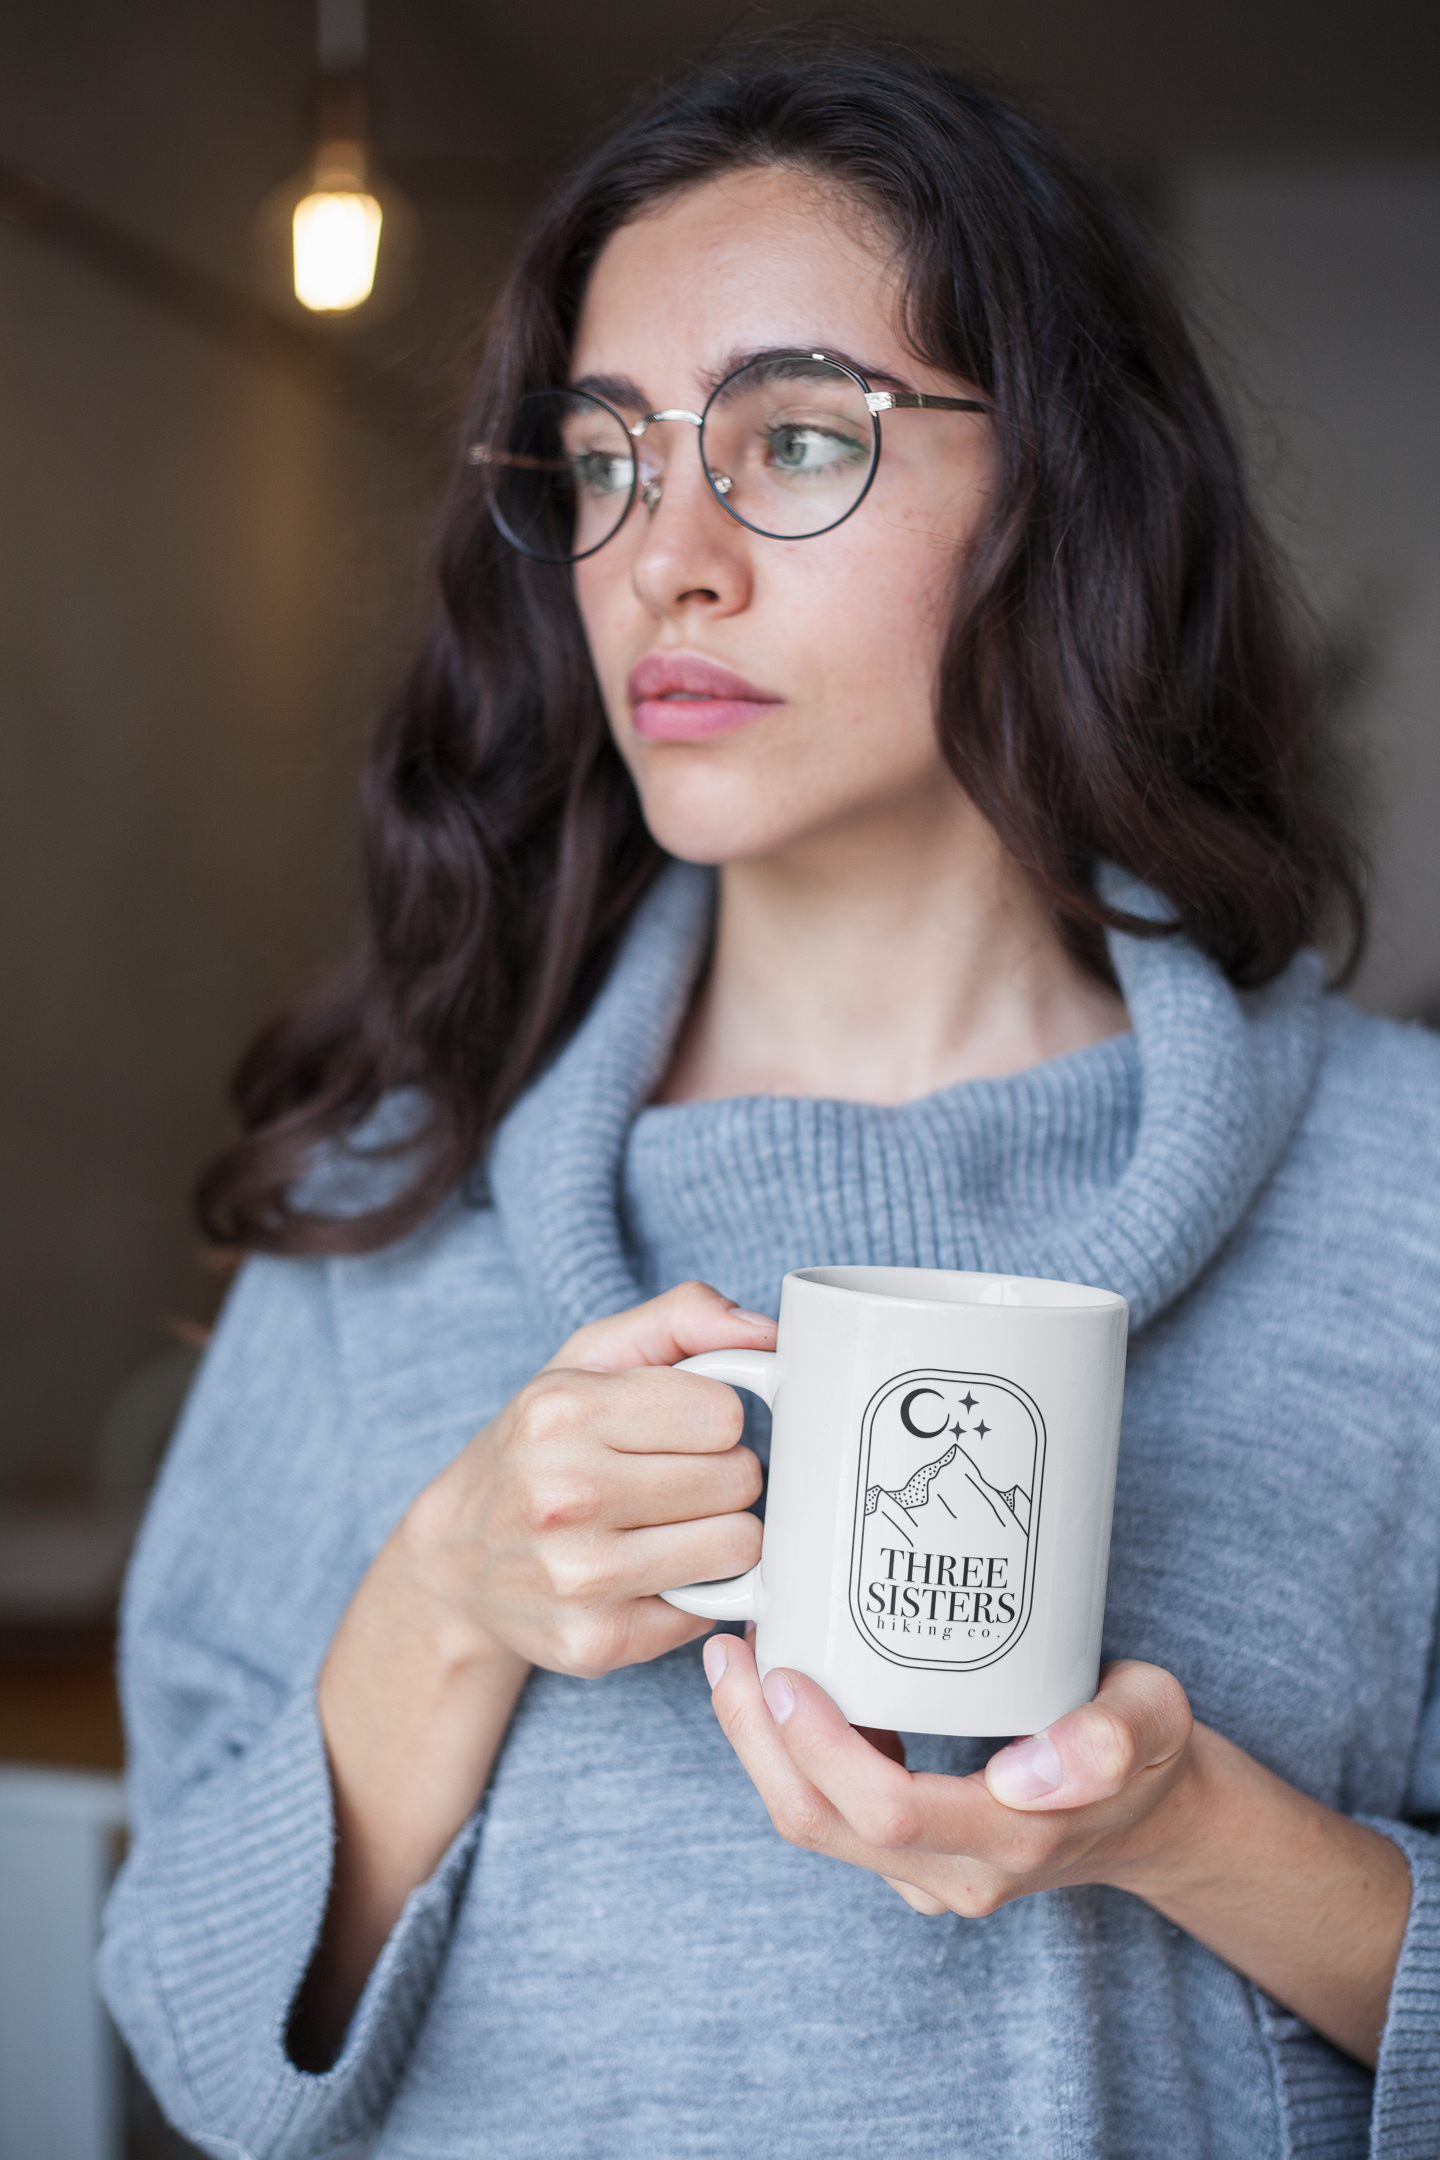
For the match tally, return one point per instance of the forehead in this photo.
(749, 261)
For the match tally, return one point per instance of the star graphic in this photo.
(968, 1401)
(957, 1428)
(982, 1428)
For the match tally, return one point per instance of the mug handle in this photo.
(737, 1598)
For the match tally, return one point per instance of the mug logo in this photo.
(946, 1513)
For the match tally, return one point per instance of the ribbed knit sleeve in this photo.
(1405, 2122)
(249, 1556)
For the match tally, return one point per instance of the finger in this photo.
(918, 1900)
(653, 1410)
(644, 1491)
(1133, 1731)
(649, 1410)
(651, 1560)
(887, 1808)
(799, 1809)
(648, 1628)
(798, 1812)
(681, 1323)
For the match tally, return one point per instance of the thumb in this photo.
(1138, 1723)
(679, 1324)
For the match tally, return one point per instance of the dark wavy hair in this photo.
(1121, 679)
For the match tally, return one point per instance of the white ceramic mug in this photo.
(942, 1476)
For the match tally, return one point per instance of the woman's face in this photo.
(837, 638)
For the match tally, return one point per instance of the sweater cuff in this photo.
(210, 1931)
(1405, 2123)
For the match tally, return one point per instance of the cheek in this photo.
(874, 624)
(607, 608)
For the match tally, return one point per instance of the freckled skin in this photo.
(846, 627)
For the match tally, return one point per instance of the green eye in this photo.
(797, 450)
(598, 474)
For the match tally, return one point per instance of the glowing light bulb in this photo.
(337, 238)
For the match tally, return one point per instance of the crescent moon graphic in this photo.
(920, 1431)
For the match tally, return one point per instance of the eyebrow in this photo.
(615, 390)
(622, 391)
(879, 378)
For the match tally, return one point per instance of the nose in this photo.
(690, 554)
(654, 487)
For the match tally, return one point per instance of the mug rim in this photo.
(1081, 1301)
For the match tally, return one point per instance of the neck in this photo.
(880, 965)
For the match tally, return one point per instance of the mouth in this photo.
(680, 697)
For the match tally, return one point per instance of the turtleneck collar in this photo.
(1126, 1165)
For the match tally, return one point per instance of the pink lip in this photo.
(680, 697)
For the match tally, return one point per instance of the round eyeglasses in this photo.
(789, 445)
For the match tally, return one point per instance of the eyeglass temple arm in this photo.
(479, 453)
(878, 401)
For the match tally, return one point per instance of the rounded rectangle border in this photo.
(918, 1378)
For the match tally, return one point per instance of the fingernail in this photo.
(717, 1656)
(1025, 1769)
(779, 1694)
(751, 1319)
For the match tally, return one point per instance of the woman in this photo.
(957, 651)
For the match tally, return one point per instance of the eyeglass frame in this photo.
(876, 402)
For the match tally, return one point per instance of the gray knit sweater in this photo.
(618, 1959)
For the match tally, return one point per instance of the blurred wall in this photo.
(209, 573)
(190, 634)
(1320, 282)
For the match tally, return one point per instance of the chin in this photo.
(714, 826)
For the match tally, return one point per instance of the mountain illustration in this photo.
(953, 1487)
(1018, 1502)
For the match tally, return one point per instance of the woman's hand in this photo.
(1071, 1806)
(1126, 1791)
(606, 1479)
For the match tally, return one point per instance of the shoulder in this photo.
(1369, 1047)
(1361, 1173)
(1377, 1086)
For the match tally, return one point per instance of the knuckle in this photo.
(725, 1413)
(738, 1544)
(589, 1649)
(547, 1407)
(1113, 1749)
(733, 1722)
(1174, 1705)
(693, 1292)
(749, 1477)
(978, 1898)
(559, 1500)
(890, 1823)
(801, 1821)
(576, 1577)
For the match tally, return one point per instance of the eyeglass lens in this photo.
(561, 473)
(794, 440)
(788, 443)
